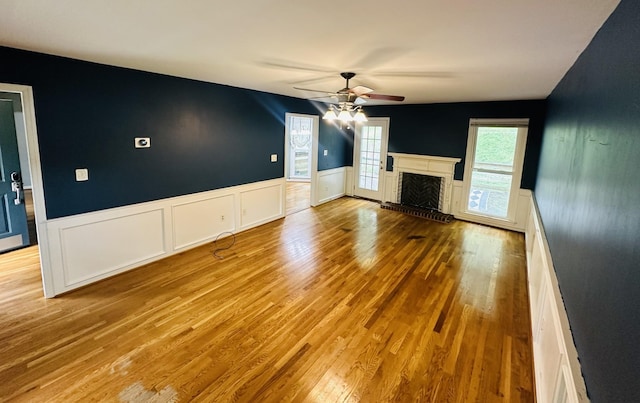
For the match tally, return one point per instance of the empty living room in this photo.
(365, 202)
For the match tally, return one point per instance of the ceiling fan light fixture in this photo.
(330, 114)
(360, 116)
(345, 116)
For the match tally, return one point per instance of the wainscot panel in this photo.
(85, 248)
(330, 185)
(348, 184)
(94, 249)
(261, 205)
(558, 376)
(201, 220)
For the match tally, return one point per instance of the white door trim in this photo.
(379, 195)
(518, 165)
(314, 152)
(33, 151)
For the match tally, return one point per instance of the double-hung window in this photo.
(493, 167)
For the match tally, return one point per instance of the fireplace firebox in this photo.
(421, 191)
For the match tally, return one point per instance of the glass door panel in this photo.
(370, 157)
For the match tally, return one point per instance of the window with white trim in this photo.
(493, 166)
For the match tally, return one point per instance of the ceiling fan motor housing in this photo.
(348, 75)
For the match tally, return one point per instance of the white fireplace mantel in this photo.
(443, 167)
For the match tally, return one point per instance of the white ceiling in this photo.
(427, 50)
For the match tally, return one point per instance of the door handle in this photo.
(16, 186)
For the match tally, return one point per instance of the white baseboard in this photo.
(558, 376)
(89, 247)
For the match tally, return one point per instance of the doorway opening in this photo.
(17, 218)
(301, 134)
(36, 197)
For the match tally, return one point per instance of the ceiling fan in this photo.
(357, 95)
(349, 100)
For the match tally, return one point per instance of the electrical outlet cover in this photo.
(82, 174)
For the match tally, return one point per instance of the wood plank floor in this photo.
(344, 302)
(298, 196)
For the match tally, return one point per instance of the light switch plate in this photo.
(82, 174)
(326, 152)
(274, 157)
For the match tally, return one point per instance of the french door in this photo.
(370, 158)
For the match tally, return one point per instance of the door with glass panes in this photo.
(370, 157)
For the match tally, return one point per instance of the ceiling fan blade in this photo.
(329, 93)
(334, 96)
(313, 80)
(379, 56)
(383, 97)
(360, 90)
(415, 74)
(290, 65)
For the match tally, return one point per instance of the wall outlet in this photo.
(326, 152)
(274, 157)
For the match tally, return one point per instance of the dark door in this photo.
(13, 217)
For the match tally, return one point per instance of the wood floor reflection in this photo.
(343, 302)
(298, 196)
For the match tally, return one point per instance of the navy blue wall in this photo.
(338, 141)
(203, 136)
(588, 192)
(442, 129)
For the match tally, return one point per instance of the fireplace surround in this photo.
(442, 167)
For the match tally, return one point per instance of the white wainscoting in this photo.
(348, 184)
(558, 376)
(261, 205)
(89, 247)
(330, 185)
(198, 221)
(390, 187)
(523, 207)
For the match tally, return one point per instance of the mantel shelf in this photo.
(424, 157)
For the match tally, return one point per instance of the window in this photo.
(493, 167)
(300, 146)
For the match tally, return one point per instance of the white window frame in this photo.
(518, 163)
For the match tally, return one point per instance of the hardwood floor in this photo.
(298, 196)
(344, 302)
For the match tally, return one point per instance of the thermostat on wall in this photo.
(142, 142)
